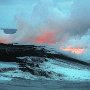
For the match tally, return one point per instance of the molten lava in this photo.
(74, 50)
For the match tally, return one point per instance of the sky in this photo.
(64, 22)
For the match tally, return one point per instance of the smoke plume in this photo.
(63, 22)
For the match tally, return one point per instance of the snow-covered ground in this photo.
(69, 72)
(60, 70)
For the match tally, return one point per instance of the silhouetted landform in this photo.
(9, 31)
(9, 52)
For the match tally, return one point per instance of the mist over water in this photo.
(58, 22)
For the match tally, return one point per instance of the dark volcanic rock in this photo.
(7, 69)
(9, 52)
(32, 65)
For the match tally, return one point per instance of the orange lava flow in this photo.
(74, 50)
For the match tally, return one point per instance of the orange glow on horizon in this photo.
(3, 40)
(74, 50)
(45, 37)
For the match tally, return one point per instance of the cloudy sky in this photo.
(9, 9)
(60, 19)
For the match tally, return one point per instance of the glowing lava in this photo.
(46, 37)
(4, 40)
(74, 50)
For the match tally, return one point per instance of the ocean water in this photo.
(21, 84)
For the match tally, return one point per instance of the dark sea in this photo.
(43, 85)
